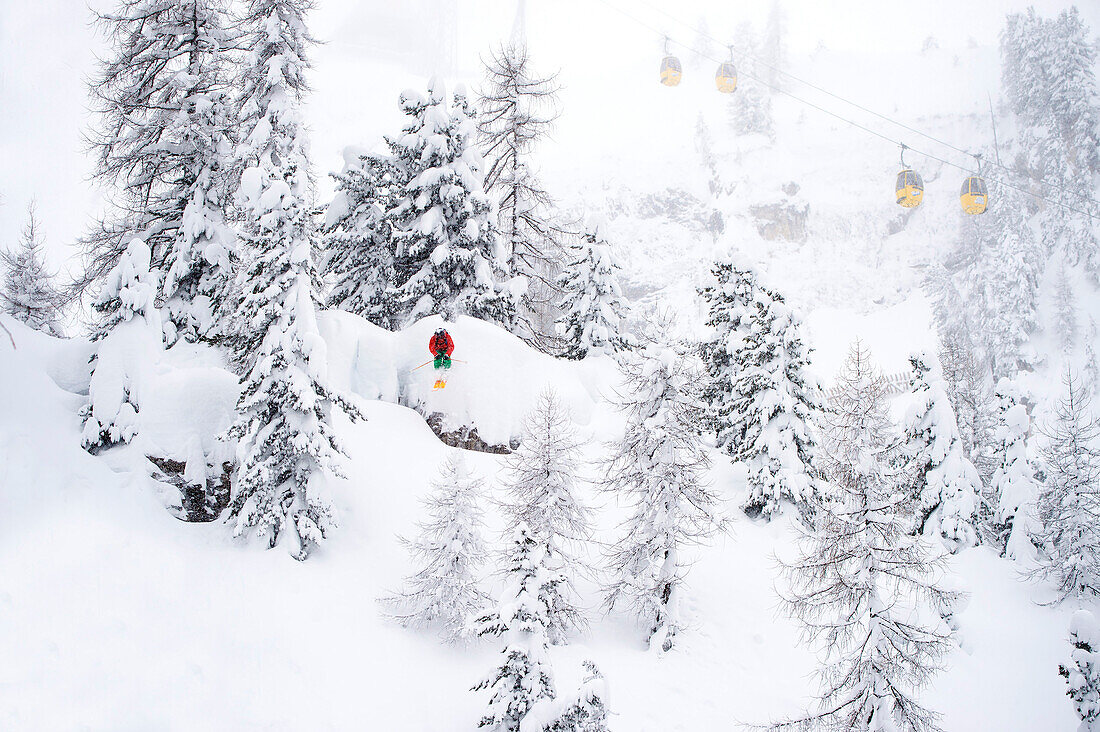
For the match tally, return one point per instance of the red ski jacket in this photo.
(443, 345)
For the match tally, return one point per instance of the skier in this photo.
(441, 345)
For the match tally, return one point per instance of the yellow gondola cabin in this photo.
(726, 77)
(909, 189)
(974, 197)
(671, 71)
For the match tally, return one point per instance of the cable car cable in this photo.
(857, 125)
(885, 118)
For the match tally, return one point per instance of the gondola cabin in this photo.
(909, 189)
(671, 71)
(974, 197)
(726, 77)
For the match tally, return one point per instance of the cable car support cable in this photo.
(868, 130)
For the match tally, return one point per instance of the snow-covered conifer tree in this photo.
(1003, 281)
(1048, 72)
(1069, 506)
(28, 292)
(542, 487)
(585, 711)
(525, 675)
(128, 340)
(163, 142)
(751, 111)
(728, 299)
(1014, 487)
(750, 107)
(704, 148)
(516, 111)
(657, 468)
(969, 386)
(1082, 673)
(774, 45)
(593, 318)
(359, 254)
(448, 252)
(865, 590)
(944, 481)
(703, 47)
(286, 441)
(1065, 311)
(764, 403)
(445, 590)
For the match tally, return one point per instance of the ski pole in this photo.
(423, 364)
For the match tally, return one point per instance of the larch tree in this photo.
(944, 483)
(445, 592)
(525, 675)
(28, 291)
(657, 468)
(1069, 505)
(865, 591)
(593, 311)
(286, 444)
(447, 249)
(163, 147)
(542, 481)
(128, 339)
(968, 383)
(516, 112)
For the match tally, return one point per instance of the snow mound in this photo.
(493, 383)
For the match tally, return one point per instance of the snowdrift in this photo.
(494, 381)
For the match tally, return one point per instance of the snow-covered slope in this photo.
(115, 615)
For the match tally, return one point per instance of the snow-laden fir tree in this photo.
(163, 149)
(763, 402)
(1003, 281)
(1065, 311)
(359, 254)
(944, 482)
(728, 298)
(1069, 505)
(774, 45)
(525, 675)
(286, 443)
(656, 468)
(542, 485)
(751, 111)
(1014, 487)
(704, 148)
(585, 711)
(865, 590)
(28, 292)
(127, 343)
(1048, 72)
(448, 258)
(703, 48)
(750, 107)
(1082, 673)
(516, 111)
(445, 590)
(593, 311)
